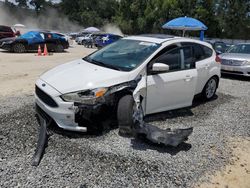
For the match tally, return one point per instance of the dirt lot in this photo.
(216, 155)
(20, 71)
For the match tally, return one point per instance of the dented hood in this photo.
(81, 75)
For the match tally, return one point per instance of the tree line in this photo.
(224, 18)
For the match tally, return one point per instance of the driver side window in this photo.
(177, 58)
(172, 59)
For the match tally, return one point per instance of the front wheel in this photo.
(210, 88)
(125, 114)
(19, 48)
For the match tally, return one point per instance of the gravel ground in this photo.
(79, 160)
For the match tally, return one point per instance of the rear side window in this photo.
(208, 52)
(200, 52)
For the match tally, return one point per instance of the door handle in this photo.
(188, 78)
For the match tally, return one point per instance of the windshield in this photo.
(240, 48)
(30, 34)
(123, 55)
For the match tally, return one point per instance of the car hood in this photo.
(235, 56)
(81, 75)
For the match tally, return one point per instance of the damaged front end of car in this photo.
(93, 107)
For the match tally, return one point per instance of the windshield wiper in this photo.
(102, 64)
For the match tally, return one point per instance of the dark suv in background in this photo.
(6, 32)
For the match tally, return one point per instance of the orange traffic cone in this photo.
(39, 51)
(45, 52)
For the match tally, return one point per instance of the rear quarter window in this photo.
(208, 51)
(202, 52)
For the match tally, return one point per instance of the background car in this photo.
(6, 32)
(31, 40)
(81, 39)
(106, 39)
(67, 37)
(236, 60)
(219, 47)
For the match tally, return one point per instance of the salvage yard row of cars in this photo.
(135, 76)
(31, 40)
(98, 40)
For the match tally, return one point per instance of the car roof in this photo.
(159, 39)
(150, 38)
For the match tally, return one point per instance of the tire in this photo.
(19, 48)
(59, 48)
(210, 88)
(125, 115)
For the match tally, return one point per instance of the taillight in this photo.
(218, 59)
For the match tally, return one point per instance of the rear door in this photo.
(202, 63)
(175, 88)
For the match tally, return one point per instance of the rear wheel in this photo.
(125, 114)
(19, 48)
(210, 88)
(59, 48)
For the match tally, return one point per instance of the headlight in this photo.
(85, 97)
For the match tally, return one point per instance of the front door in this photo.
(175, 88)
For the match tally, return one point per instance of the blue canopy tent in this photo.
(186, 24)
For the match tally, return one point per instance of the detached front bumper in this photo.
(236, 70)
(63, 114)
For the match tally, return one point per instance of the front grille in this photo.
(42, 113)
(231, 62)
(45, 98)
(236, 72)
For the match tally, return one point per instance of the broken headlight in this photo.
(86, 97)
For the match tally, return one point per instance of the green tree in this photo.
(39, 5)
(233, 18)
(22, 3)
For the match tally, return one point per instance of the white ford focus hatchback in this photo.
(158, 72)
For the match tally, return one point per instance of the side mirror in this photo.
(160, 67)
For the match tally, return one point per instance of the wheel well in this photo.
(217, 78)
(119, 95)
(214, 76)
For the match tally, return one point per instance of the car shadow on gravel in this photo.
(107, 127)
(198, 103)
(142, 144)
(182, 112)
